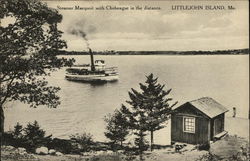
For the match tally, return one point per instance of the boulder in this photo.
(100, 152)
(52, 151)
(58, 154)
(8, 148)
(109, 152)
(42, 150)
(32, 156)
(21, 150)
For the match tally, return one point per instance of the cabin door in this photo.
(217, 126)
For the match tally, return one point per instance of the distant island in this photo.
(112, 52)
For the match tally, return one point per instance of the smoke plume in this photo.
(81, 29)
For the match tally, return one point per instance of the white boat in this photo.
(96, 72)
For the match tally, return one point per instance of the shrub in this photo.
(61, 145)
(7, 139)
(82, 141)
(205, 146)
(141, 143)
(106, 157)
(116, 129)
(208, 157)
(243, 155)
(30, 137)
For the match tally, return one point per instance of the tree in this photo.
(28, 53)
(137, 121)
(17, 132)
(83, 141)
(117, 128)
(141, 142)
(150, 108)
(34, 136)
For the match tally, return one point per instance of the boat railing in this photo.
(111, 69)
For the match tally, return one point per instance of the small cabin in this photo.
(198, 121)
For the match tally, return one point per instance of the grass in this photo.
(228, 146)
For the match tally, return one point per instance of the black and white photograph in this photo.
(132, 80)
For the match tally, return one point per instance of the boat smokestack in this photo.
(92, 65)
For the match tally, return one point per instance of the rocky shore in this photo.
(9, 153)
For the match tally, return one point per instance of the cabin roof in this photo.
(209, 106)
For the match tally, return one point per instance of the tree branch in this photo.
(7, 92)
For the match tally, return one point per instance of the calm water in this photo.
(83, 106)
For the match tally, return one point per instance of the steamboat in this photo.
(95, 72)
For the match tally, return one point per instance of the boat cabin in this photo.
(99, 63)
(198, 121)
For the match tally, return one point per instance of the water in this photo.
(83, 106)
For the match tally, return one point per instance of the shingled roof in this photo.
(209, 106)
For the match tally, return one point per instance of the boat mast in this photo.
(92, 60)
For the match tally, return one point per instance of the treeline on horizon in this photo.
(112, 52)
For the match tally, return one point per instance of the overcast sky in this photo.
(164, 29)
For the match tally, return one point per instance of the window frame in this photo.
(184, 124)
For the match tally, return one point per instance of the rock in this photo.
(87, 153)
(52, 151)
(58, 154)
(21, 150)
(109, 152)
(32, 156)
(100, 152)
(42, 150)
(8, 148)
(23, 153)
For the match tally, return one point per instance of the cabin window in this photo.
(189, 124)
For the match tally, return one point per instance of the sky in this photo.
(147, 30)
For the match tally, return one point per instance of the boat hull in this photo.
(92, 78)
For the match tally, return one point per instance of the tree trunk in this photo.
(249, 113)
(141, 146)
(121, 144)
(152, 140)
(2, 122)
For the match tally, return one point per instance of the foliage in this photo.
(117, 128)
(84, 140)
(61, 145)
(205, 146)
(30, 137)
(34, 136)
(106, 157)
(17, 132)
(141, 143)
(208, 157)
(149, 109)
(243, 155)
(28, 53)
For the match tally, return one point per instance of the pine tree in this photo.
(17, 132)
(117, 128)
(136, 121)
(150, 108)
(35, 136)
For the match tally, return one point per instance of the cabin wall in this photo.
(202, 126)
(200, 136)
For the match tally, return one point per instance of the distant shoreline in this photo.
(112, 52)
